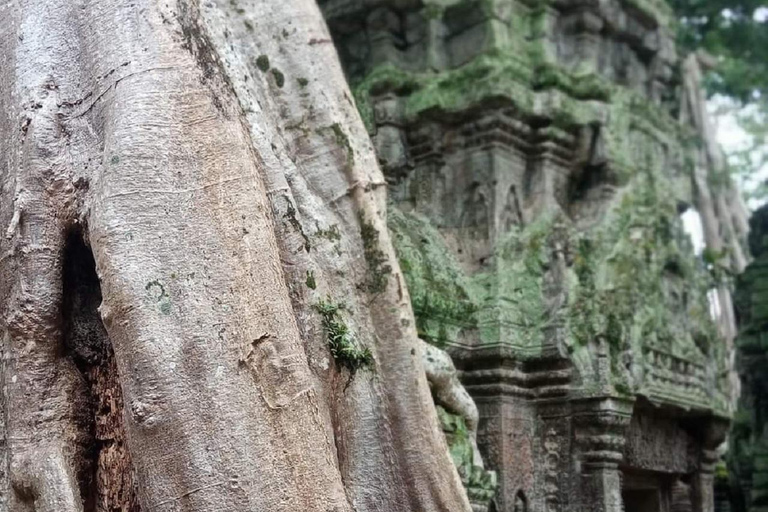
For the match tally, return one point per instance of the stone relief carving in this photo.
(551, 471)
(538, 158)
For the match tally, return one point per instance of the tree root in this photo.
(45, 476)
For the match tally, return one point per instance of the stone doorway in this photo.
(645, 491)
(641, 500)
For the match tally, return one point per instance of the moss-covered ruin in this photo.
(539, 157)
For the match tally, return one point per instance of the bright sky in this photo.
(733, 138)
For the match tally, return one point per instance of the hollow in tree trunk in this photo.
(201, 309)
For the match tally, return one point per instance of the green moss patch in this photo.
(279, 77)
(262, 62)
(345, 351)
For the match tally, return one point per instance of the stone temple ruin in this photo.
(539, 157)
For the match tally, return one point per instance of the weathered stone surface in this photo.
(539, 156)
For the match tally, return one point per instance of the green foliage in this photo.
(748, 447)
(311, 284)
(731, 31)
(332, 233)
(343, 348)
(439, 290)
(716, 263)
(736, 33)
(638, 281)
(481, 485)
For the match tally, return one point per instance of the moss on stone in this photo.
(584, 87)
(633, 280)
(537, 90)
(632, 284)
(331, 233)
(639, 286)
(440, 293)
(510, 295)
(481, 484)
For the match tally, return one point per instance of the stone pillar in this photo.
(681, 497)
(527, 447)
(505, 438)
(381, 24)
(544, 33)
(389, 139)
(703, 483)
(435, 56)
(588, 41)
(722, 495)
(551, 159)
(600, 429)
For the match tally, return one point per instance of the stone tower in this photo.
(539, 157)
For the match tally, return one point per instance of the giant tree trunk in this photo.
(194, 216)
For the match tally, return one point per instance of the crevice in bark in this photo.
(198, 43)
(105, 470)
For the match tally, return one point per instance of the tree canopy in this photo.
(734, 31)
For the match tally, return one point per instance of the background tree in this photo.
(201, 309)
(735, 32)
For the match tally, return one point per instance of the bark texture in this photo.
(210, 158)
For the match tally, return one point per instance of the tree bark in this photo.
(210, 157)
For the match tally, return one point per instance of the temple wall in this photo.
(539, 156)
